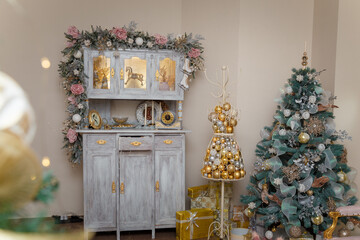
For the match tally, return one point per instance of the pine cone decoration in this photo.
(314, 126)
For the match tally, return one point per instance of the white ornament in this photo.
(278, 181)
(108, 43)
(287, 112)
(149, 44)
(76, 118)
(217, 161)
(306, 115)
(296, 116)
(321, 147)
(350, 225)
(302, 187)
(252, 205)
(312, 99)
(78, 54)
(87, 42)
(269, 234)
(288, 90)
(299, 78)
(213, 152)
(76, 72)
(282, 132)
(80, 106)
(139, 41)
(130, 40)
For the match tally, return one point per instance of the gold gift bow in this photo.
(191, 220)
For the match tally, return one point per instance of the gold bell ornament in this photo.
(304, 137)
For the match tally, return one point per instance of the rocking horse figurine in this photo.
(134, 76)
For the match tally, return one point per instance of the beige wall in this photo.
(347, 77)
(324, 40)
(259, 40)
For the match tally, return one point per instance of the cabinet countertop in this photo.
(136, 131)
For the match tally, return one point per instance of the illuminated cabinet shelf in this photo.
(133, 74)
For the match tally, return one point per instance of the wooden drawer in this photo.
(162, 142)
(135, 143)
(99, 141)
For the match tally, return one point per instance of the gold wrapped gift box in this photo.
(213, 189)
(194, 223)
(194, 192)
(208, 202)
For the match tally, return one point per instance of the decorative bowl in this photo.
(120, 120)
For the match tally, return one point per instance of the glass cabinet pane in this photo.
(101, 72)
(166, 75)
(135, 73)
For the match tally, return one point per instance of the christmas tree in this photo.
(301, 171)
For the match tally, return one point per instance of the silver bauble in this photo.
(139, 41)
(343, 232)
(217, 142)
(350, 225)
(222, 128)
(287, 112)
(212, 158)
(237, 164)
(321, 147)
(76, 118)
(269, 234)
(305, 115)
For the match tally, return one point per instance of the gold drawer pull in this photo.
(157, 186)
(136, 143)
(122, 188)
(101, 142)
(168, 141)
(112, 72)
(113, 187)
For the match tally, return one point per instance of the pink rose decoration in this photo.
(120, 33)
(70, 43)
(72, 100)
(73, 31)
(194, 53)
(160, 39)
(77, 89)
(71, 135)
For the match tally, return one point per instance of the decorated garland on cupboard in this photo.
(71, 67)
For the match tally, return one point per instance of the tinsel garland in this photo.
(71, 68)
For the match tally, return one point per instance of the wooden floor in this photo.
(164, 234)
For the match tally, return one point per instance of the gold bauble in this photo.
(222, 140)
(343, 232)
(214, 167)
(218, 109)
(310, 192)
(20, 172)
(215, 127)
(229, 129)
(209, 175)
(218, 148)
(222, 117)
(248, 212)
(229, 155)
(214, 139)
(225, 175)
(218, 131)
(233, 122)
(342, 176)
(208, 169)
(227, 106)
(242, 173)
(236, 157)
(211, 116)
(208, 151)
(223, 152)
(317, 220)
(231, 168)
(216, 174)
(304, 137)
(226, 123)
(221, 167)
(224, 160)
(237, 174)
(264, 186)
(203, 171)
(231, 176)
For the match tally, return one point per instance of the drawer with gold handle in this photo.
(168, 141)
(101, 142)
(135, 143)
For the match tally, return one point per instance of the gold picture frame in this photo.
(95, 119)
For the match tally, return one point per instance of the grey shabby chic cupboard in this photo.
(134, 179)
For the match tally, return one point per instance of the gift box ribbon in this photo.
(192, 221)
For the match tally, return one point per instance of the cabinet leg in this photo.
(117, 234)
(153, 233)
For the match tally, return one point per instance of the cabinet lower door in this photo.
(99, 181)
(136, 190)
(169, 178)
